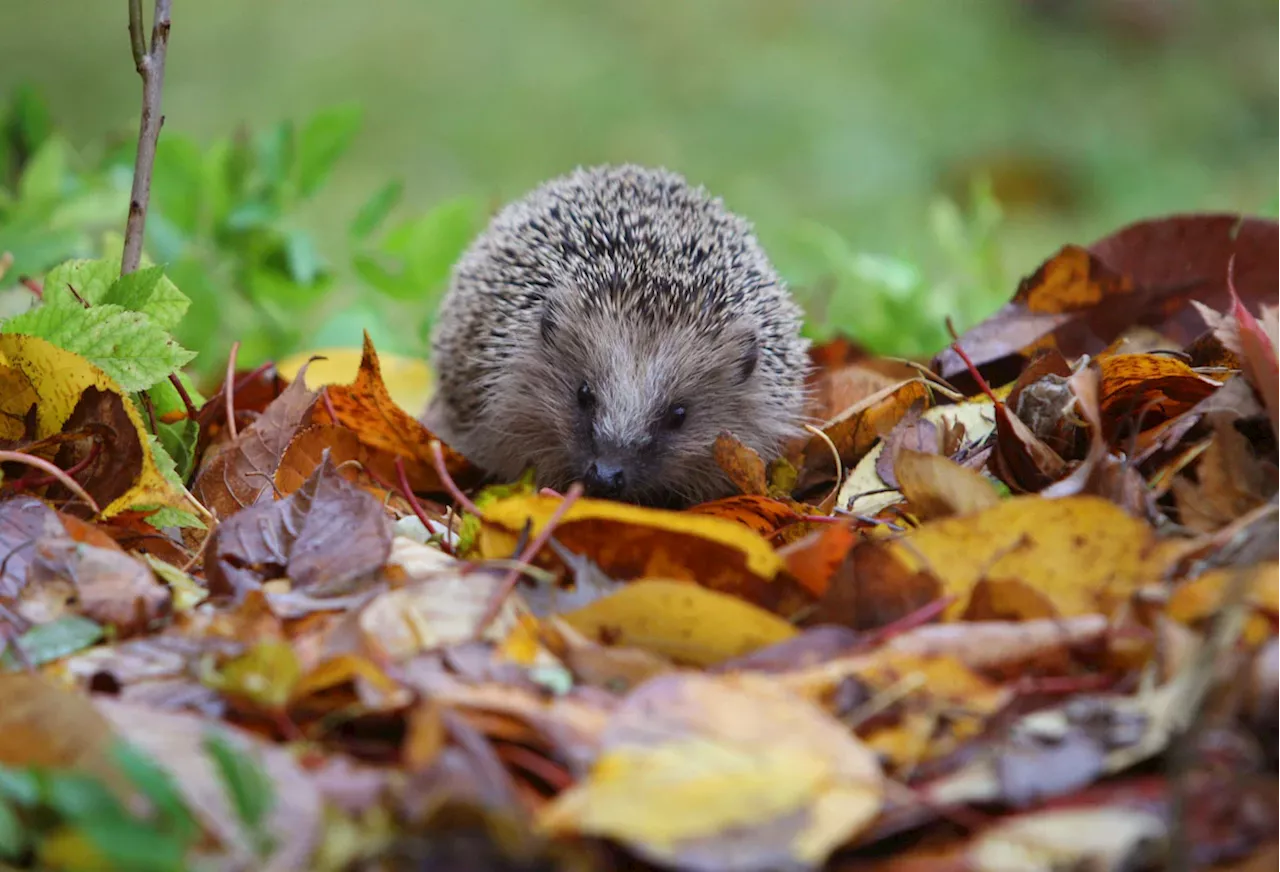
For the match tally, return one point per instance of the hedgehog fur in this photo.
(606, 328)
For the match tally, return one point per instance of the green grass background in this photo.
(850, 115)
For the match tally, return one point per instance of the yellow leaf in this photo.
(506, 518)
(938, 487)
(408, 379)
(58, 378)
(692, 763)
(266, 674)
(1079, 554)
(679, 620)
(1198, 600)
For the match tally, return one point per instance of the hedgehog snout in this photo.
(605, 479)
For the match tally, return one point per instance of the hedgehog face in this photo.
(636, 412)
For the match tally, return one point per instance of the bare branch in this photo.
(136, 36)
(150, 65)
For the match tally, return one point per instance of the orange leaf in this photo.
(366, 408)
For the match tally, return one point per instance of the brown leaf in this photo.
(326, 536)
(858, 428)
(306, 453)
(117, 464)
(912, 433)
(46, 726)
(871, 588)
(1147, 273)
(741, 463)
(242, 473)
(24, 521)
(1229, 480)
(938, 487)
(629, 542)
(1154, 387)
(1020, 459)
(366, 408)
(764, 515)
(108, 586)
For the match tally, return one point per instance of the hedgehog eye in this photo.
(674, 419)
(586, 397)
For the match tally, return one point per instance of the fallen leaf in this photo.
(176, 741)
(242, 473)
(60, 380)
(857, 428)
(1105, 838)
(741, 463)
(407, 379)
(366, 408)
(326, 537)
(724, 774)
(1196, 601)
(1074, 555)
(24, 521)
(814, 559)
(106, 586)
(679, 620)
(629, 542)
(1149, 387)
(938, 487)
(763, 515)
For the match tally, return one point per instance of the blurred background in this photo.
(323, 162)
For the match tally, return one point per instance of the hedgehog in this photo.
(607, 328)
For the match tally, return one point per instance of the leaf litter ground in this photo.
(1015, 609)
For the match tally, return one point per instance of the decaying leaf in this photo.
(325, 537)
(241, 474)
(366, 408)
(723, 774)
(59, 381)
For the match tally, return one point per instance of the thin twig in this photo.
(40, 463)
(136, 36)
(150, 65)
(508, 584)
(192, 411)
(230, 389)
(410, 496)
(437, 456)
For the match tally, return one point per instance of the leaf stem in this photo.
(40, 463)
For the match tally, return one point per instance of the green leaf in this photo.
(79, 797)
(28, 119)
(251, 792)
(42, 180)
(431, 244)
(178, 182)
(375, 210)
(168, 516)
(150, 292)
(305, 263)
(179, 442)
(157, 785)
(128, 346)
(135, 846)
(165, 399)
(322, 141)
(380, 278)
(13, 835)
(89, 279)
(21, 787)
(54, 640)
(274, 151)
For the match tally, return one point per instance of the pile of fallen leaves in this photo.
(1015, 609)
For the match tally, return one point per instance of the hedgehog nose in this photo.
(604, 479)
